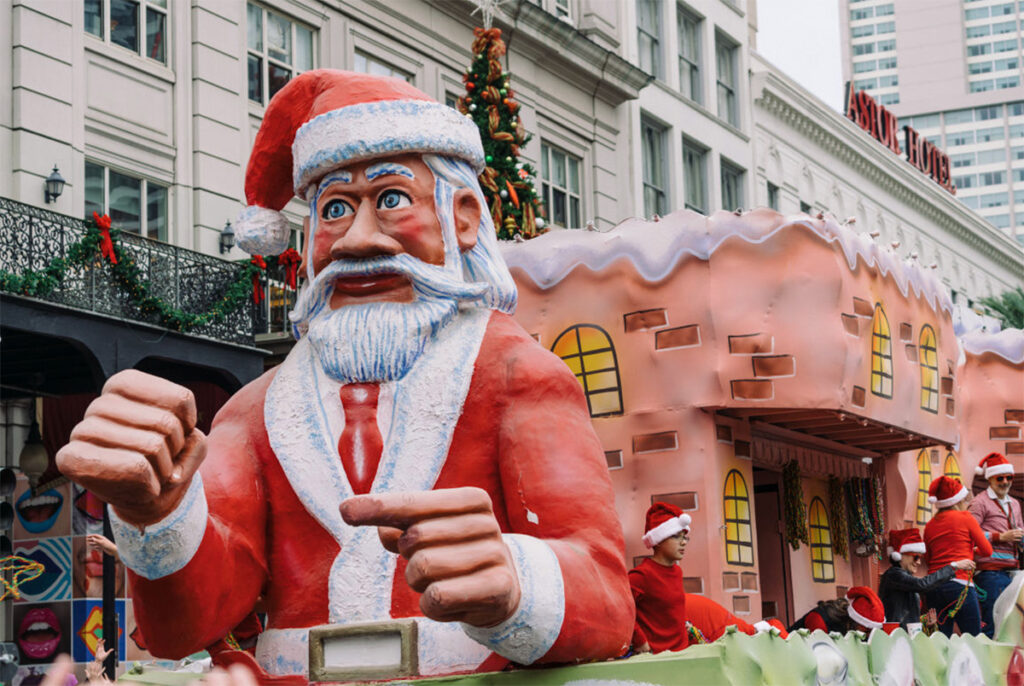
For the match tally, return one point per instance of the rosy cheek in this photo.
(419, 235)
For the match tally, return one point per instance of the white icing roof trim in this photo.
(1008, 344)
(656, 248)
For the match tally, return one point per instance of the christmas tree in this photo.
(489, 101)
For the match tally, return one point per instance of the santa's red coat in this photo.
(524, 436)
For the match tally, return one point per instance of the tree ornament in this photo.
(508, 160)
(514, 125)
(503, 91)
(472, 107)
(470, 86)
(539, 221)
(489, 158)
(503, 193)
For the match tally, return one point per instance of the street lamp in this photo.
(54, 185)
(227, 238)
(34, 459)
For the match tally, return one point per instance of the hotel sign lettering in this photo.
(881, 124)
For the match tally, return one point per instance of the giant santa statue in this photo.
(416, 455)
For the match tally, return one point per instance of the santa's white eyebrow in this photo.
(385, 168)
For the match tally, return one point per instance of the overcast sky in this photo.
(801, 38)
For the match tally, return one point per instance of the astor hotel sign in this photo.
(881, 124)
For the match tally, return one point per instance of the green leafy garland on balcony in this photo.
(101, 241)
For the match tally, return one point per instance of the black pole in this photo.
(109, 607)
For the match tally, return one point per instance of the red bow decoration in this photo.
(106, 243)
(257, 290)
(290, 258)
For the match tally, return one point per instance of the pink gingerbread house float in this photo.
(714, 350)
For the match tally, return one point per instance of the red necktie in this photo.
(360, 444)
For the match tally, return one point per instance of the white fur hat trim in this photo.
(762, 626)
(952, 500)
(260, 231)
(996, 470)
(917, 547)
(667, 528)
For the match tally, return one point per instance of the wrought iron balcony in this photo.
(187, 280)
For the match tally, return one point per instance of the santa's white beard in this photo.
(379, 341)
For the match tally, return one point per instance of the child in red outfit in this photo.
(952, 535)
(657, 582)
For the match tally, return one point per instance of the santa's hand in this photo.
(457, 558)
(137, 447)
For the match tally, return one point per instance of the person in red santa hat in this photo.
(412, 403)
(865, 609)
(999, 516)
(840, 615)
(899, 587)
(657, 582)
(951, 535)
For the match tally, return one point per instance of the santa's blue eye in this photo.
(392, 200)
(336, 209)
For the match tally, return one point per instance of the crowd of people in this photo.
(971, 548)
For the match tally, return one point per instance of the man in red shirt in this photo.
(952, 535)
(999, 516)
(657, 582)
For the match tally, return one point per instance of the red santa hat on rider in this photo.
(946, 491)
(324, 119)
(902, 541)
(865, 607)
(994, 464)
(664, 520)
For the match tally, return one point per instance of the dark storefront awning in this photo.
(847, 432)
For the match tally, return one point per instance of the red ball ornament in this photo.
(469, 85)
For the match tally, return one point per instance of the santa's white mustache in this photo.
(428, 281)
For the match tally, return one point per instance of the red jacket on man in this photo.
(485, 406)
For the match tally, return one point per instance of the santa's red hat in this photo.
(664, 520)
(903, 541)
(946, 491)
(994, 464)
(865, 607)
(325, 119)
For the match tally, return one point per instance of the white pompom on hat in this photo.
(324, 119)
(994, 464)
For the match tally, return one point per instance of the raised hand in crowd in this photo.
(94, 670)
(103, 543)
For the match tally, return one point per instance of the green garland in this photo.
(837, 516)
(795, 511)
(88, 250)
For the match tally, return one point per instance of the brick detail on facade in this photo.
(751, 344)
(644, 319)
(752, 389)
(679, 337)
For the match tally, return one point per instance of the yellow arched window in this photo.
(589, 352)
(881, 354)
(739, 539)
(924, 480)
(951, 467)
(822, 567)
(929, 359)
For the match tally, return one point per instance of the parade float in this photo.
(762, 373)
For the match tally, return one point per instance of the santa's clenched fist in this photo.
(137, 447)
(457, 558)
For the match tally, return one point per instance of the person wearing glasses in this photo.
(999, 516)
(899, 587)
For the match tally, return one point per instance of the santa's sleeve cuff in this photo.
(167, 546)
(531, 631)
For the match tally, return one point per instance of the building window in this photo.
(127, 20)
(562, 10)
(773, 196)
(560, 176)
(649, 36)
(881, 354)
(588, 351)
(134, 204)
(653, 151)
(951, 467)
(732, 187)
(822, 567)
(279, 49)
(726, 54)
(371, 65)
(689, 54)
(924, 480)
(695, 174)
(805, 207)
(929, 359)
(739, 540)
(861, 67)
